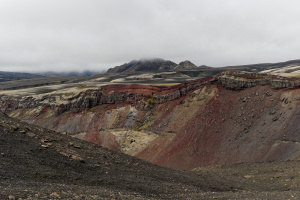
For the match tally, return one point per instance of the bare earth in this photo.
(36, 163)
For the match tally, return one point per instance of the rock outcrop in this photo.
(238, 80)
(141, 95)
(225, 119)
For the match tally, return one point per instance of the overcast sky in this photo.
(63, 35)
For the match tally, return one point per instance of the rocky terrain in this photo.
(236, 133)
(37, 163)
(228, 118)
(72, 168)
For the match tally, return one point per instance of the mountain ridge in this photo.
(156, 64)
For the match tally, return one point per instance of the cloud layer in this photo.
(91, 34)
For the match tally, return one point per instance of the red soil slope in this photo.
(226, 119)
(253, 125)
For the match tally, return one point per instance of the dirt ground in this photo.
(36, 163)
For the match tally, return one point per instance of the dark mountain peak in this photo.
(185, 65)
(186, 62)
(145, 64)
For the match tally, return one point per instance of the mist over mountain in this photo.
(156, 64)
(72, 73)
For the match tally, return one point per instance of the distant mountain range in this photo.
(15, 76)
(288, 68)
(291, 67)
(11, 76)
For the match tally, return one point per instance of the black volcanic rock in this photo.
(144, 65)
(38, 162)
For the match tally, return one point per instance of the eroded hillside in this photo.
(229, 118)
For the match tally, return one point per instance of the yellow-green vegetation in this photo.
(117, 120)
(49, 113)
(146, 125)
(259, 76)
(80, 87)
(14, 114)
(94, 109)
(150, 102)
(85, 111)
(27, 112)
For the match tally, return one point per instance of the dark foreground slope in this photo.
(36, 163)
(40, 163)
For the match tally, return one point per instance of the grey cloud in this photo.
(73, 34)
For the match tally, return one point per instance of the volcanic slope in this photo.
(37, 163)
(229, 118)
(56, 165)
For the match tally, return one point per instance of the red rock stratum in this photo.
(229, 118)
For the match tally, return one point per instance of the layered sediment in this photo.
(229, 118)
